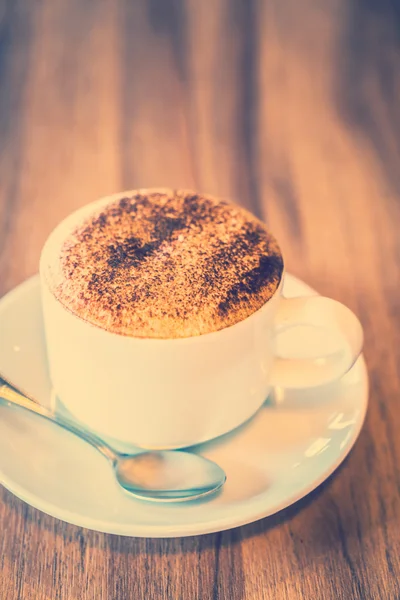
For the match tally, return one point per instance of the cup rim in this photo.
(71, 218)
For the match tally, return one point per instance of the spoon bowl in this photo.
(168, 476)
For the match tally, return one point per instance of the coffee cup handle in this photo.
(317, 341)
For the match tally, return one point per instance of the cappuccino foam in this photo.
(164, 264)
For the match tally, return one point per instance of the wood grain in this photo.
(290, 108)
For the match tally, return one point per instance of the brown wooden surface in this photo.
(291, 108)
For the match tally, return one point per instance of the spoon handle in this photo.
(14, 397)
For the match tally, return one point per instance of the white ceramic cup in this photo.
(173, 393)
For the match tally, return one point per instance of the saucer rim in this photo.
(198, 528)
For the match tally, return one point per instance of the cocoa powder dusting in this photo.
(167, 264)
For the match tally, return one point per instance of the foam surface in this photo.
(164, 264)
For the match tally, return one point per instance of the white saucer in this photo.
(289, 448)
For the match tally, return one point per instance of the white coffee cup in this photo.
(173, 393)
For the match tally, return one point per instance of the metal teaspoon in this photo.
(157, 476)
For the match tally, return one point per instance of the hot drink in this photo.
(163, 312)
(164, 264)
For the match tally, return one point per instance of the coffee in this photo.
(164, 264)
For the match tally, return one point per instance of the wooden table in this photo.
(291, 108)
